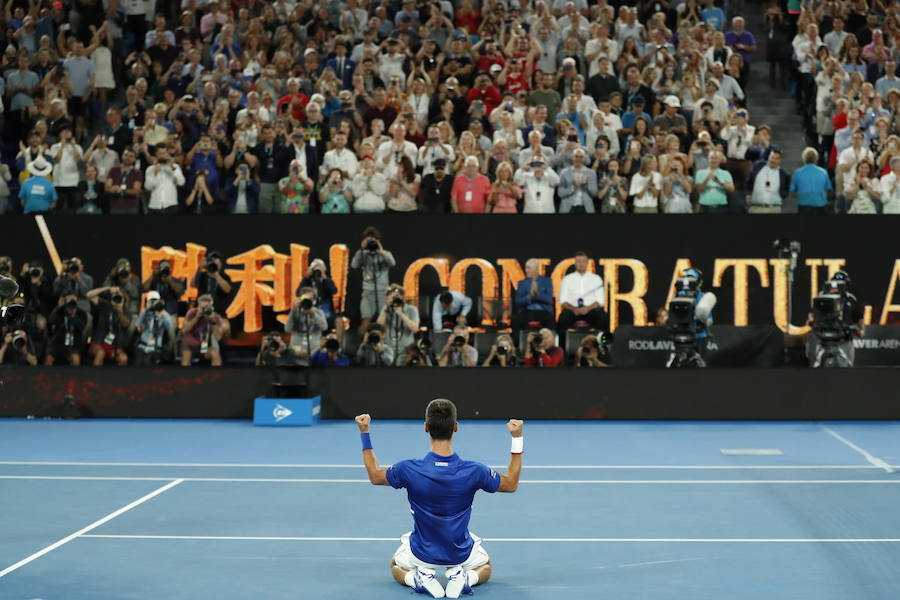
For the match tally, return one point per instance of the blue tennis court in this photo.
(220, 509)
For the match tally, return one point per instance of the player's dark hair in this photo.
(440, 416)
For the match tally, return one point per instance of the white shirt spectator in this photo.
(586, 286)
(538, 192)
(890, 194)
(766, 187)
(738, 141)
(392, 64)
(834, 41)
(852, 156)
(387, 149)
(369, 192)
(344, 160)
(65, 169)
(650, 197)
(429, 154)
(594, 45)
(612, 120)
(163, 185)
(104, 161)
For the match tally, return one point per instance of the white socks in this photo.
(410, 579)
(472, 578)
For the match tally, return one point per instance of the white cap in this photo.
(672, 101)
(152, 295)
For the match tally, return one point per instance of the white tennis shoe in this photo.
(457, 582)
(427, 584)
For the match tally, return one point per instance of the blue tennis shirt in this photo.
(440, 491)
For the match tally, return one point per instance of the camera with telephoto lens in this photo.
(71, 267)
(332, 345)
(208, 310)
(19, 340)
(211, 266)
(374, 338)
(502, 349)
(164, 271)
(4, 268)
(372, 246)
(305, 303)
(459, 341)
(72, 304)
(273, 343)
(688, 311)
(158, 306)
(117, 298)
(35, 272)
(828, 312)
(423, 342)
(316, 275)
(396, 301)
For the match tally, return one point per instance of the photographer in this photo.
(305, 323)
(112, 325)
(400, 320)
(202, 330)
(68, 323)
(836, 318)
(503, 353)
(73, 280)
(590, 353)
(212, 279)
(325, 289)
(121, 276)
(450, 308)
(419, 353)
(37, 291)
(374, 262)
(541, 351)
(169, 288)
(17, 349)
(156, 333)
(329, 354)
(273, 352)
(458, 352)
(373, 352)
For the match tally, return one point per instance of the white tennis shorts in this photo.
(405, 559)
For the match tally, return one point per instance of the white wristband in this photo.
(518, 445)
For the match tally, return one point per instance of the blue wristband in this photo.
(366, 441)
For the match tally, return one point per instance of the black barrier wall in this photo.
(479, 393)
(636, 254)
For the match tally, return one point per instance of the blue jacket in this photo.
(542, 301)
(231, 195)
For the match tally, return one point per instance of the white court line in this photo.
(524, 481)
(516, 540)
(873, 460)
(359, 466)
(93, 525)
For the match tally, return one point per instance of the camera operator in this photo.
(201, 332)
(73, 280)
(375, 262)
(503, 353)
(112, 325)
(591, 353)
(68, 323)
(212, 279)
(533, 300)
(373, 352)
(689, 315)
(122, 277)
(836, 318)
(400, 320)
(274, 352)
(450, 308)
(168, 287)
(17, 349)
(156, 333)
(317, 278)
(329, 353)
(541, 351)
(458, 352)
(306, 324)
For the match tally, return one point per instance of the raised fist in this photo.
(514, 426)
(362, 421)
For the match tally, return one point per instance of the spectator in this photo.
(436, 189)
(112, 326)
(541, 350)
(505, 194)
(457, 352)
(37, 193)
(375, 262)
(890, 188)
(470, 190)
(168, 287)
(769, 185)
(296, 190)
(68, 326)
(122, 188)
(335, 196)
(862, 191)
(739, 136)
(578, 186)
(306, 324)
(202, 330)
(373, 352)
(539, 182)
(67, 160)
(811, 182)
(646, 186)
(242, 192)
(848, 160)
(613, 190)
(533, 301)
(269, 154)
(712, 184)
(101, 158)
(450, 308)
(369, 187)
(582, 299)
(163, 179)
(677, 186)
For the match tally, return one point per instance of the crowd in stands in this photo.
(844, 59)
(244, 106)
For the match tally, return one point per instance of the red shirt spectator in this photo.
(467, 18)
(485, 92)
(553, 357)
(470, 190)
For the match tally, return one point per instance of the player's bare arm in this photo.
(510, 482)
(376, 473)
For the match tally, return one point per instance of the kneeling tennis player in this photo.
(441, 488)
